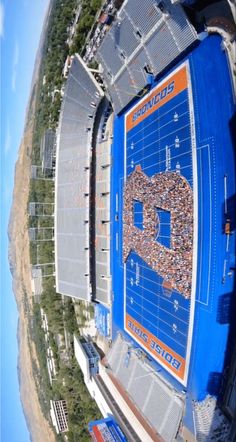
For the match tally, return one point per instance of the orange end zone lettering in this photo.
(97, 433)
(161, 352)
(158, 96)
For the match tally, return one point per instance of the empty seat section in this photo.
(162, 49)
(144, 14)
(73, 181)
(124, 35)
(110, 53)
(136, 68)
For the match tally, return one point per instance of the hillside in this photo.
(20, 268)
(19, 262)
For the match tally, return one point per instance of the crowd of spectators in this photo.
(171, 192)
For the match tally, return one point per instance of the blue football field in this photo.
(186, 133)
(161, 143)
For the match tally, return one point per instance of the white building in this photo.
(52, 373)
(59, 415)
(36, 283)
(85, 361)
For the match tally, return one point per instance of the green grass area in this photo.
(69, 384)
(55, 51)
(86, 21)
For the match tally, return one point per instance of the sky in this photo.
(20, 27)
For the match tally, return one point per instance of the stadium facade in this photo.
(145, 214)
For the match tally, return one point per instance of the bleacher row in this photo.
(155, 399)
(103, 280)
(146, 34)
(80, 102)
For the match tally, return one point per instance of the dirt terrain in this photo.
(19, 261)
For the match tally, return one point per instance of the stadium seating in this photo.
(147, 33)
(81, 98)
(157, 401)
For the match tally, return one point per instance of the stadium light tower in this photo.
(41, 209)
(47, 269)
(47, 174)
(41, 233)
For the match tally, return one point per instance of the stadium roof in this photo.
(146, 37)
(81, 99)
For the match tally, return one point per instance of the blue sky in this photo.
(20, 27)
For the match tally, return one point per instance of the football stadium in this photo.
(145, 219)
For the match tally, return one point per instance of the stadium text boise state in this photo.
(155, 347)
(154, 100)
